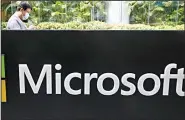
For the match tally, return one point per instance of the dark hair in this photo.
(24, 6)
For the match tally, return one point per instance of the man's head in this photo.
(24, 8)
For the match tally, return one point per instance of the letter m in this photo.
(24, 71)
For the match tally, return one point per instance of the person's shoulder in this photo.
(11, 18)
(11, 22)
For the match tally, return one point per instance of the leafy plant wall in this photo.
(148, 12)
(142, 12)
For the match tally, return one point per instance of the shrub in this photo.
(3, 25)
(96, 25)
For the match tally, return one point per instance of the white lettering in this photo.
(46, 72)
(128, 84)
(88, 77)
(67, 84)
(141, 81)
(115, 85)
(24, 71)
(179, 86)
(58, 79)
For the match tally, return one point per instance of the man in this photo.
(16, 20)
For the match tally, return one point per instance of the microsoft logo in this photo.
(46, 72)
(3, 80)
(47, 75)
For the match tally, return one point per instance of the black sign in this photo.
(94, 75)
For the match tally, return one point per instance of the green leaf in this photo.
(64, 6)
(58, 2)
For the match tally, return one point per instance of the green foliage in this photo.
(7, 10)
(65, 11)
(142, 12)
(150, 12)
(96, 25)
(3, 25)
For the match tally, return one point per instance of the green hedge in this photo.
(96, 25)
(3, 25)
